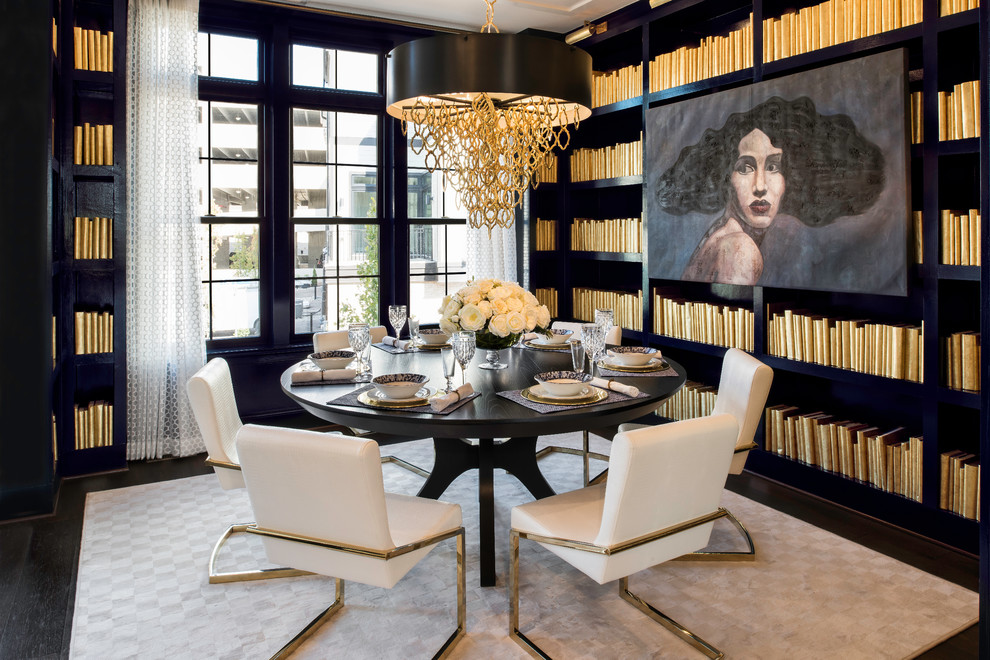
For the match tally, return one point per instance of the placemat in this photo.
(351, 399)
(515, 396)
(605, 372)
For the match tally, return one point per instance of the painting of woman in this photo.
(780, 156)
(800, 182)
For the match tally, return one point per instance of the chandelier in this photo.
(487, 109)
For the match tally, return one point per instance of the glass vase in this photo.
(493, 360)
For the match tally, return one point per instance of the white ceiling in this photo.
(510, 15)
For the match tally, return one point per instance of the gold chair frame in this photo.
(584, 452)
(535, 651)
(338, 602)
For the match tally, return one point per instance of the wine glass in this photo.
(449, 363)
(413, 333)
(605, 318)
(577, 354)
(593, 338)
(464, 346)
(359, 337)
(397, 317)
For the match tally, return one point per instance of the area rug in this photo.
(142, 589)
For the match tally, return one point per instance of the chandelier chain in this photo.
(490, 18)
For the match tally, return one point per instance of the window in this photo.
(334, 69)
(335, 175)
(437, 238)
(228, 203)
(224, 56)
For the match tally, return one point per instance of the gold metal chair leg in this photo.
(242, 576)
(726, 555)
(583, 452)
(403, 464)
(666, 621)
(461, 602)
(527, 644)
(313, 625)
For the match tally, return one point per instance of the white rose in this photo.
(451, 308)
(531, 318)
(530, 300)
(515, 304)
(486, 308)
(472, 318)
(448, 327)
(500, 306)
(473, 299)
(498, 293)
(484, 286)
(499, 325)
(543, 316)
(443, 304)
(467, 291)
(517, 322)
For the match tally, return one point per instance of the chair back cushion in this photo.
(742, 392)
(211, 394)
(319, 485)
(330, 341)
(613, 337)
(663, 475)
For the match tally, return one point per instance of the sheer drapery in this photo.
(492, 257)
(165, 341)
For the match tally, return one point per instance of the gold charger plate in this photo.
(371, 398)
(432, 347)
(646, 368)
(595, 396)
(547, 347)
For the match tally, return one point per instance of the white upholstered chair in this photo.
(743, 387)
(614, 338)
(211, 394)
(660, 502)
(336, 339)
(320, 505)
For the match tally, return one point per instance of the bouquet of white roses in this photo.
(498, 312)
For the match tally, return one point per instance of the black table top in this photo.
(489, 415)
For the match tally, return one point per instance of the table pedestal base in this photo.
(517, 456)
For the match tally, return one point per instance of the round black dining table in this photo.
(486, 418)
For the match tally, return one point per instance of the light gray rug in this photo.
(142, 589)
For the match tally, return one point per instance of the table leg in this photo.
(517, 456)
(450, 461)
(486, 510)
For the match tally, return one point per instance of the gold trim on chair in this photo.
(583, 452)
(325, 616)
(534, 650)
(243, 576)
(404, 464)
(726, 555)
(212, 462)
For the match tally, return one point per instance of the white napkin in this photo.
(316, 375)
(628, 390)
(530, 336)
(438, 403)
(400, 344)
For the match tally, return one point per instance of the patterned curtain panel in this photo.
(165, 337)
(492, 257)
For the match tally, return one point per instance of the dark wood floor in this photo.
(38, 558)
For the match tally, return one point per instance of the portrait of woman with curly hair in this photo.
(761, 184)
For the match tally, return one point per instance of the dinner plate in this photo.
(653, 365)
(537, 394)
(423, 346)
(375, 398)
(546, 346)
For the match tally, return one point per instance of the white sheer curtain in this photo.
(165, 342)
(492, 257)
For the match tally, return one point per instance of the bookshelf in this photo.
(916, 397)
(87, 242)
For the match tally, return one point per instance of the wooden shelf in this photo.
(631, 257)
(615, 182)
(635, 103)
(956, 147)
(967, 273)
(959, 397)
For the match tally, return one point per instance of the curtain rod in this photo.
(359, 17)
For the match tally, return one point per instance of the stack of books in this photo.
(93, 238)
(627, 307)
(94, 425)
(961, 237)
(93, 50)
(692, 400)
(546, 171)
(94, 332)
(93, 145)
(613, 235)
(615, 86)
(959, 112)
(547, 297)
(608, 162)
(834, 22)
(708, 323)
(959, 491)
(946, 7)
(892, 351)
(961, 361)
(890, 461)
(546, 235)
(714, 56)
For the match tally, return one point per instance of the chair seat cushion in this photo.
(575, 515)
(413, 518)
